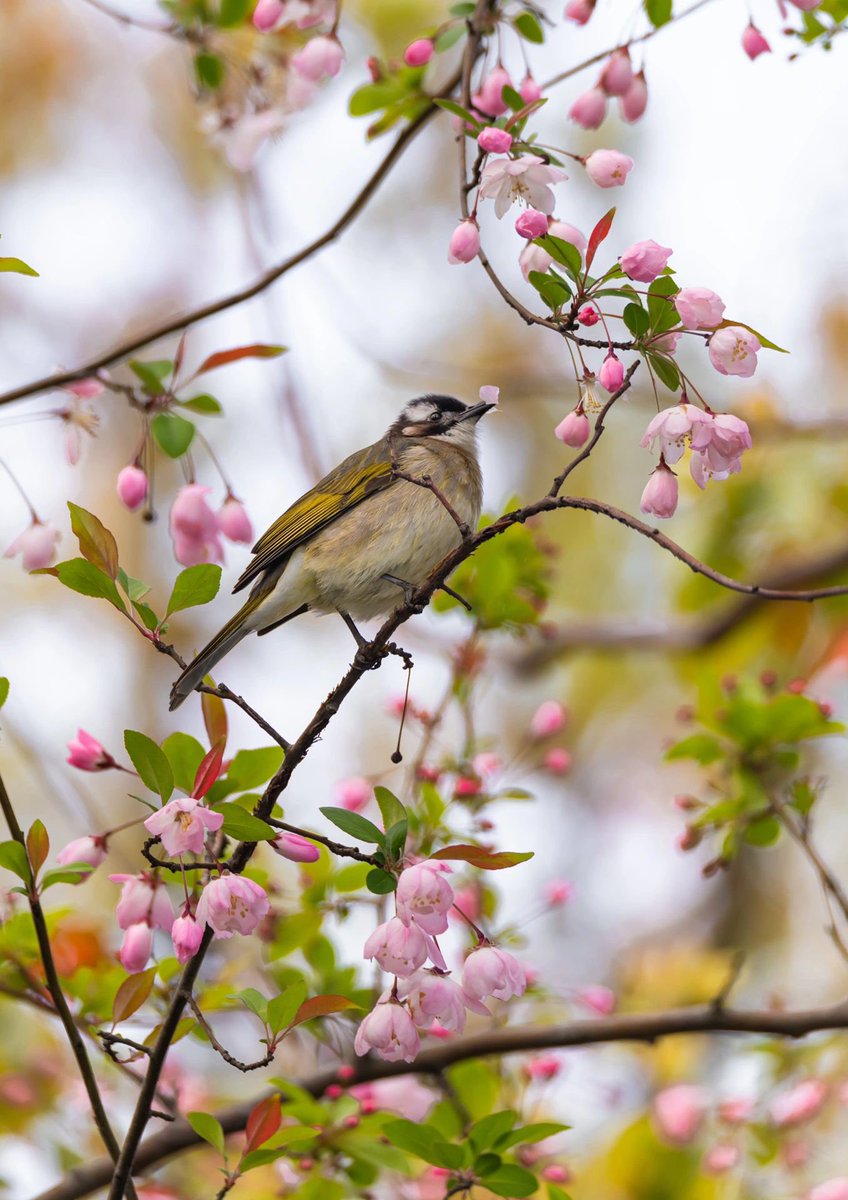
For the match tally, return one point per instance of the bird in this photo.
(366, 536)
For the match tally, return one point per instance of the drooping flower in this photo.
(530, 91)
(599, 999)
(557, 761)
(800, 1103)
(490, 971)
(733, 351)
(644, 261)
(433, 997)
(633, 103)
(548, 719)
(91, 850)
(232, 904)
(234, 522)
(194, 527)
(543, 1066)
(144, 898)
(79, 418)
(321, 58)
(717, 447)
(182, 825)
(699, 307)
(673, 426)
(659, 499)
(295, 848)
(490, 99)
(589, 109)
(557, 892)
(679, 1112)
(573, 429)
(527, 178)
(132, 486)
(134, 953)
(36, 545)
(390, 1030)
(400, 949)
(608, 168)
(753, 42)
(494, 140)
(424, 896)
(268, 15)
(617, 73)
(465, 242)
(418, 53)
(86, 753)
(186, 934)
(611, 374)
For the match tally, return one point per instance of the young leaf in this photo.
(283, 1009)
(353, 824)
(243, 826)
(210, 70)
(659, 12)
(195, 585)
(530, 1134)
(150, 762)
(4, 690)
(38, 845)
(512, 1181)
(185, 755)
(380, 882)
(222, 357)
(70, 873)
(255, 1002)
(485, 860)
(529, 28)
(204, 404)
(132, 994)
(264, 1121)
(391, 809)
(17, 265)
(597, 235)
(448, 37)
(563, 252)
(458, 111)
(321, 1006)
(84, 577)
(208, 771)
(13, 857)
(173, 433)
(207, 1127)
(96, 542)
(152, 374)
(214, 717)
(251, 768)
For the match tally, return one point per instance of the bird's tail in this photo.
(222, 643)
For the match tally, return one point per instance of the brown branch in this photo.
(336, 848)
(425, 481)
(222, 1050)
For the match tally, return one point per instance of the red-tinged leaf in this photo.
(597, 236)
(214, 718)
(208, 771)
(96, 542)
(321, 1006)
(38, 846)
(486, 860)
(222, 357)
(132, 994)
(263, 1123)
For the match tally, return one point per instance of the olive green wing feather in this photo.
(354, 480)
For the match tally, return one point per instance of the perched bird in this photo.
(364, 536)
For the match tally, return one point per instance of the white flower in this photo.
(526, 179)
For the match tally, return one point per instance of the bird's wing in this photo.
(348, 484)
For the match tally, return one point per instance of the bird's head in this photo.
(442, 417)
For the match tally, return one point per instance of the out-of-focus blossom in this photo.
(487, 764)
(490, 99)
(321, 58)
(573, 429)
(489, 393)
(418, 53)
(557, 892)
(608, 168)
(589, 109)
(733, 351)
(36, 545)
(194, 527)
(144, 898)
(132, 487)
(666, 343)
(424, 896)
(543, 1067)
(465, 242)
(753, 42)
(234, 522)
(467, 900)
(644, 261)
(85, 389)
(494, 140)
(599, 999)
(398, 948)
(530, 91)
(182, 825)
(556, 1173)
(699, 307)
(490, 971)
(579, 10)
(405, 1096)
(831, 1189)
(390, 1031)
(721, 1158)
(736, 1111)
(611, 374)
(549, 718)
(232, 904)
(633, 103)
(659, 499)
(531, 224)
(134, 953)
(527, 179)
(557, 761)
(800, 1103)
(86, 753)
(79, 418)
(354, 793)
(91, 850)
(295, 848)
(617, 73)
(244, 138)
(186, 934)
(679, 1112)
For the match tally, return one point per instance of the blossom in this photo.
(134, 953)
(557, 892)
(354, 793)
(390, 1030)
(679, 1112)
(424, 896)
(244, 138)
(295, 848)
(611, 374)
(579, 10)
(433, 997)
(634, 101)
(489, 393)
(531, 224)
(186, 934)
(494, 140)
(85, 389)
(400, 949)
(556, 1173)
(530, 91)
(720, 1158)
(321, 58)
(718, 444)
(405, 1096)
(733, 351)
(268, 14)
(699, 307)
(799, 1104)
(418, 53)
(490, 971)
(144, 898)
(490, 99)
(644, 261)
(617, 74)
(608, 168)
(79, 418)
(805, 5)
(182, 825)
(831, 1189)
(735, 1111)
(543, 1066)
(527, 178)
(465, 242)
(557, 761)
(234, 522)
(36, 545)
(536, 258)
(91, 850)
(194, 527)
(666, 343)
(487, 764)
(589, 109)
(588, 315)
(131, 486)
(86, 753)
(600, 999)
(232, 904)
(573, 429)
(659, 499)
(673, 426)
(548, 719)
(753, 42)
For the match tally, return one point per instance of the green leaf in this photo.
(448, 37)
(17, 265)
(485, 860)
(152, 374)
(372, 97)
(512, 1181)
(243, 826)
(463, 9)
(763, 831)
(485, 1133)
(136, 589)
(380, 882)
(251, 768)
(193, 586)
(204, 404)
(82, 576)
(277, 1147)
(69, 873)
(659, 12)
(4, 690)
(486, 1164)
(132, 994)
(14, 858)
(185, 754)
(419, 1139)
(554, 291)
(233, 12)
(391, 809)
(636, 319)
(531, 1133)
(513, 98)
(665, 370)
(282, 1010)
(96, 542)
(38, 845)
(563, 252)
(529, 28)
(209, 69)
(661, 310)
(396, 840)
(353, 824)
(173, 433)
(700, 746)
(255, 1002)
(458, 111)
(150, 762)
(207, 1127)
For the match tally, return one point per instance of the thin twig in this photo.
(334, 847)
(222, 1050)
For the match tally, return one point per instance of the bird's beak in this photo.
(475, 412)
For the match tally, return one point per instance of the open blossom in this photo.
(194, 527)
(699, 307)
(589, 109)
(398, 948)
(134, 953)
(634, 101)
(644, 261)
(91, 850)
(599, 999)
(831, 1189)
(490, 99)
(418, 53)
(753, 42)
(234, 522)
(182, 825)
(433, 997)
(679, 1112)
(494, 140)
(527, 178)
(36, 545)
(295, 848)
(531, 224)
(232, 904)
(86, 753)
(673, 426)
(321, 58)
(186, 934)
(608, 168)
(144, 898)
(666, 343)
(617, 74)
(79, 418)
(354, 793)
(718, 445)
(548, 719)
(424, 896)
(465, 242)
(390, 1030)
(573, 429)
(579, 10)
(536, 258)
(131, 487)
(733, 351)
(659, 499)
(611, 374)
(490, 971)
(799, 1104)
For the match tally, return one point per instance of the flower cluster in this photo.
(196, 529)
(616, 80)
(717, 442)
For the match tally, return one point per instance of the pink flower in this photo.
(535, 258)
(234, 522)
(78, 418)
(548, 719)
(699, 307)
(579, 10)
(673, 426)
(134, 953)
(268, 14)
(186, 935)
(799, 1104)
(530, 91)
(131, 487)
(735, 1111)
(733, 351)
(354, 793)
(557, 892)
(527, 178)
(666, 343)
(424, 896)
(806, 5)
(543, 1066)
(489, 393)
(753, 42)
(144, 898)
(556, 1173)
(405, 1096)
(617, 74)
(490, 97)
(436, 997)
(495, 141)
(232, 904)
(182, 825)
(557, 761)
(85, 389)
(194, 527)
(531, 224)
(633, 103)
(490, 971)
(321, 58)
(611, 374)
(721, 1158)
(390, 1030)
(398, 948)
(659, 499)
(487, 764)
(573, 429)
(831, 1189)
(644, 261)
(718, 444)
(679, 1112)
(600, 999)
(243, 140)
(295, 848)
(418, 53)
(91, 850)
(36, 545)
(465, 242)
(608, 168)
(86, 754)
(467, 900)
(589, 109)
(588, 315)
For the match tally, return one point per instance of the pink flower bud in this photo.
(182, 825)
(733, 351)
(321, 58)
(132, 487)
(467, 900)
(573, 429)
(608, 168)
(186, 934)
(721, 1158)
(678, 1112)
(644, 261)
(466, 787)
(194, 527)
(611, 374)
(234, 522)
(753, 42)
(91, 850)
(557, 761)
(801, 1103)
(390, 1031)
(424, 896)
(831, 1189)
(579, 10)
(543, 1066)
(589, 109)
(659, 499)
(531, 224)
(588, 315)
(295, 848)
(85, 389)
(232, 904)
(36, 546)
(418, 53)
(354, 793)
(699, 307)
(557, 892)
(530, 91)
(495, 141)
(599, 999)
(490, 971)
(86, 754)
(490, 99)
(548, 719)
(134, 953)
(617, 74)
(556, 1173)
(633, 103)
(465, 242)
(399, 949)
(268, 14)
